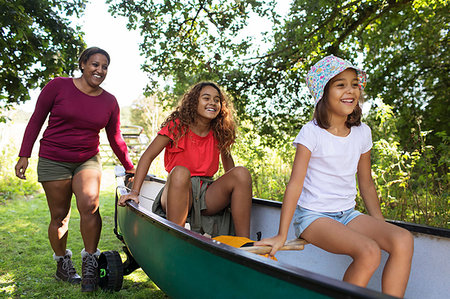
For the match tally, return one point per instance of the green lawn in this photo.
(26, 265)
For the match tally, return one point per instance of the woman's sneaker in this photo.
(65, 270)
(89, 280)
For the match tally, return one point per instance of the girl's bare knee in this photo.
(242, 174)
(180, 174)
(368, 254)
(403, 244)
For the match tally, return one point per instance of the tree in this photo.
(403, 45)
(37, 44)
(191, 40)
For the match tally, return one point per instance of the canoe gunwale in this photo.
(295, 275)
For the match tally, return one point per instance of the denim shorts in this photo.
(304, 217)
(50, 170)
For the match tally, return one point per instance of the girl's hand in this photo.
(275, 242)
(133, 195)
(21, 167)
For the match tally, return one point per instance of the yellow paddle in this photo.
(294, 244)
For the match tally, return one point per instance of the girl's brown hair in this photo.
(322, 118)
(223, 126)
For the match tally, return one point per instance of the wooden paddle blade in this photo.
(294, 244)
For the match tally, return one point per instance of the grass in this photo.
(26, 264)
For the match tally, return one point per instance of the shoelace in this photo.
(68, 266)
(91, 265)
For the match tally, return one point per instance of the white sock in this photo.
(58, 257)
(84, 253)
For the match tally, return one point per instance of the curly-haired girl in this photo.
(194, 135)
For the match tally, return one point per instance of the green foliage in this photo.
(10, 186)
(270, 169)
(409, 183)
(38, 43)
(403, 45)
(191, 41)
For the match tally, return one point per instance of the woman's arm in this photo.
(291, 195)
(153, 150)
(116, 141)
(227, 161)
(43, 107)
(367, 187)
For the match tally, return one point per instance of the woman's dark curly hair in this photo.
(322, 118)
(223, 126)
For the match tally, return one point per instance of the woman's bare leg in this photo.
(235, 188)
(86, 187)
(59, 195)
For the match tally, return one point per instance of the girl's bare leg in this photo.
(335, 237)
(59, 195)
(86, 187)
(398, 242)
(234, 187)
(176, 199)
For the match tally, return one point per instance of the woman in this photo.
(69, 160)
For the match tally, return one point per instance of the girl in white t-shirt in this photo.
(321, 192)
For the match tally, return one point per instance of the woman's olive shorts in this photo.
(49, 170)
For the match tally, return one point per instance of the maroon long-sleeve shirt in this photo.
(74, 124)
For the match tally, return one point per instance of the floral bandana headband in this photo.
(324, 70)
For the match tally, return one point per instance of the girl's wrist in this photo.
(134, 192)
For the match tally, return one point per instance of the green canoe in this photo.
(185, 264)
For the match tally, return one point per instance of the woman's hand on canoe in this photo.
(275, 242)
(124, 198)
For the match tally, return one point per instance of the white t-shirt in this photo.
(330, 182)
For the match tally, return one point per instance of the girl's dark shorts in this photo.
(49, 170)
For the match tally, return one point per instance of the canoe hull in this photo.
(185, 264)
(183, 269)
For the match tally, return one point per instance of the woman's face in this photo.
(95, 69)
(208, 103)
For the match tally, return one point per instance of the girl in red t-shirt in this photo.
(200, 130)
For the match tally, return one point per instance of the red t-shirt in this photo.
(198, 154)
(74, 124)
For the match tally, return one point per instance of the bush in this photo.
(412, 185)
(12, 187)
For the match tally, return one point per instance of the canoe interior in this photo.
(430, 273)
(429, 276)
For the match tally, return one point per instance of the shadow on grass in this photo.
(26, 265)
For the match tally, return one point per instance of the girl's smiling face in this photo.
(343, 93)
(208, 103)
(95, 69)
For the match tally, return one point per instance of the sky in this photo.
(125, 80)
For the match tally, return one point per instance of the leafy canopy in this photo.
(37, 44)
(402, 44)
